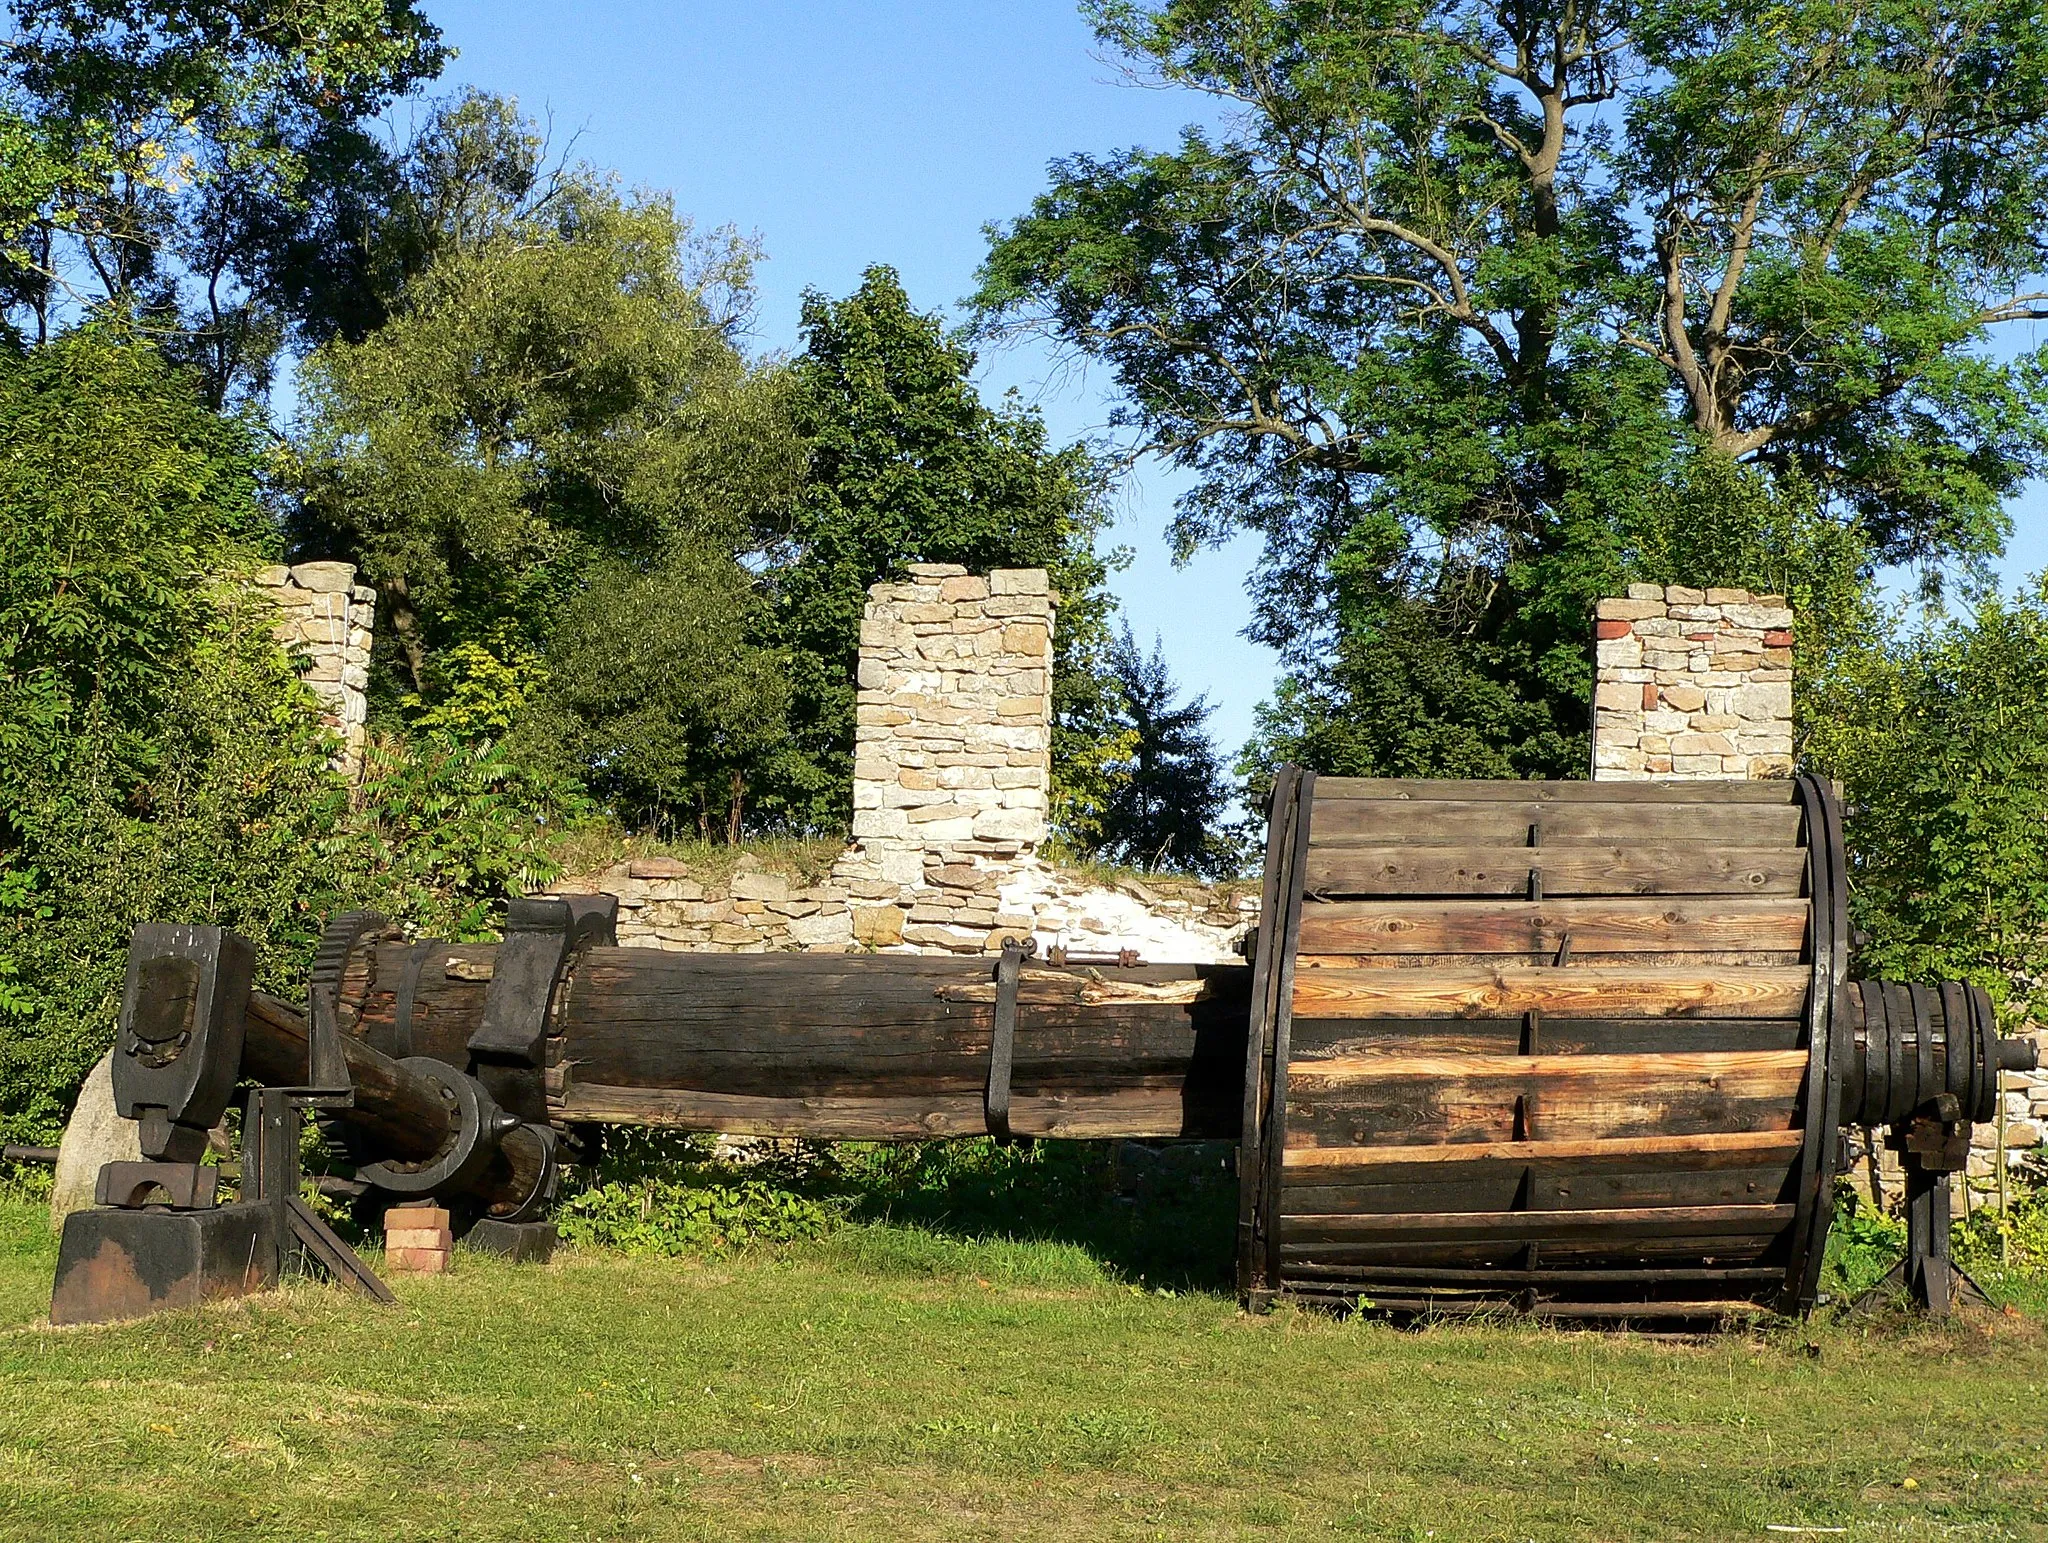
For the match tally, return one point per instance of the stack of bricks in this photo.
(327, 618)
(417, 1240)
(952, 754)
(1692, 683)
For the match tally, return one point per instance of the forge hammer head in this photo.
(178, 1052)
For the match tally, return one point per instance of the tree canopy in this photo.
(1168, 797)
(907, 464)
(1452, 287)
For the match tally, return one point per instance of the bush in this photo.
(651, 1193)
(669, 1194)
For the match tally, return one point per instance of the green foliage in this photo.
(1863, 1243)
(1455, 292)
(652, 1194)
(662, 1193)
(554, 396)
(1939, 736)
(227, 826)
(121, 493)
(907, 464)
(151, 152)
(160, 760)
(2012, 1241)
(659, 697)
(444, 829)
(1167, 796)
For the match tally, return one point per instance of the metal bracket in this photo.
(1002, 1044)
(270, 1177)
(179, 1050)
(507, 1051)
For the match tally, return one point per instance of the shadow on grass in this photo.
(1158, 1217)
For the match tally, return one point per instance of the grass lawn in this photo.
(889, 1383)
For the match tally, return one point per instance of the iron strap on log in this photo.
(1002, 1044)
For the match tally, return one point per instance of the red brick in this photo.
(1780, 639)
(1701, 637)
(1649, 695)
(1612, 629)
(416, 1261)
(415, 1216)
(419, 1237)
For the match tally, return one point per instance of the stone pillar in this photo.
(326, 619)
(1692, 683)
(952, 761)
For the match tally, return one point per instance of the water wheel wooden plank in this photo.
(1607, 925)
(1653, 869)
(1490, 822)
(1588, 991)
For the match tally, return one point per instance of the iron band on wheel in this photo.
(479, 1126)
(536, 1204)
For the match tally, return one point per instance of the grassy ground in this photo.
(886, 1381)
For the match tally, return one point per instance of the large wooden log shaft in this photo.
(397, 1114)
(843, 1047)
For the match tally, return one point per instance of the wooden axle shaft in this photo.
(400, 1114)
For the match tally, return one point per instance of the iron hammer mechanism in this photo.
(193, 1032)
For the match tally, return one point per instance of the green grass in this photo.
(904, 1381)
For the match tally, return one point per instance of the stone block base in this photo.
(520, 1242)
(128, 1264)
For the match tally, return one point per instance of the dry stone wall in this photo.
(1692, 683)
(1697, 683)
(326, 617)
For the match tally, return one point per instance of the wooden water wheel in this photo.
(1556, 1047)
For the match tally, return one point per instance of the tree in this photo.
(907, 464)
(160, 760)
(662, 699)
(146, 145)
(554, 394)
(1167, 795)
(1456, 286)
(1940, 737)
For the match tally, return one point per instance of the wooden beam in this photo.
(1324, 1038)
(1135, 1113)
(1766, 1068)
(1589, 991)
(1692, 1221)
(1485, 822)
(1385, 1101)
(1775, 791)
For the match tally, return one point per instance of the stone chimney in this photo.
(1692, 683)
(952, 765)
(325, 617)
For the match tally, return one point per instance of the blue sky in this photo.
(888, 131)
(844, 134)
